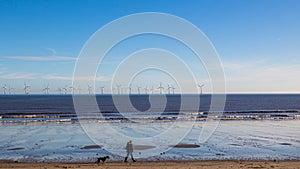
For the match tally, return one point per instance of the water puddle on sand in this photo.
(185, 146)
(285, 144)
(17, 148)
(91, 147)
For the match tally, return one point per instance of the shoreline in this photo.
(112, 117)
(160, 164)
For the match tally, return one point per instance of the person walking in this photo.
(129, 150)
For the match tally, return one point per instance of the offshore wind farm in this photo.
(116, 89)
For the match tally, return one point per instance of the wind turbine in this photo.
(10, 89)
(173, 89)
(46, 89)
(160, 88)
(139, 89)
(151, 90)
(102, 89)
(60, 90)
(118, 88)
(169, 89)
(65, 89)
(26, 88)
(4, 89)
(72, 89)
(146, 90)
(90, 89)
(201, 87)
(79, 90)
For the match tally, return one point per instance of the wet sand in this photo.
(164, 165)
(136, 147)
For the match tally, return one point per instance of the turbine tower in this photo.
(139, 89)
(151, 90)
(201, 87)
(118, 88)
(173, 88)
(11, 90)
(79, 90)
(160, 88)
(169, 89)
(26, 88)
(72, 89)
(90, 89)
(146, 90)
(60, 90)
(65, 89)
(102, 89)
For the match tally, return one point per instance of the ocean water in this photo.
(61, 106)
(64, 103)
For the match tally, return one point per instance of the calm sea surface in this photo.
(19, 104)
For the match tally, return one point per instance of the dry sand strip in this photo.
(162, 165)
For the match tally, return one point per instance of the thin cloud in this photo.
(41, 58)
(18, 76)
(51, 77)
(70, 78)
(263, 78)
(56, 77)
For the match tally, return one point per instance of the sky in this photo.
(257, 42)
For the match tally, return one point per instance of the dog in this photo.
(103, 159)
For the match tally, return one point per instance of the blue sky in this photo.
(257, 41)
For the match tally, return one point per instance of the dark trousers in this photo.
(130, 155)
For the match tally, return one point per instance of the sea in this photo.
(20, 108)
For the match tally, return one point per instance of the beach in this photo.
(164, 165)
(256, 140)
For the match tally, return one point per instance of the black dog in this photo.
(103, 159)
